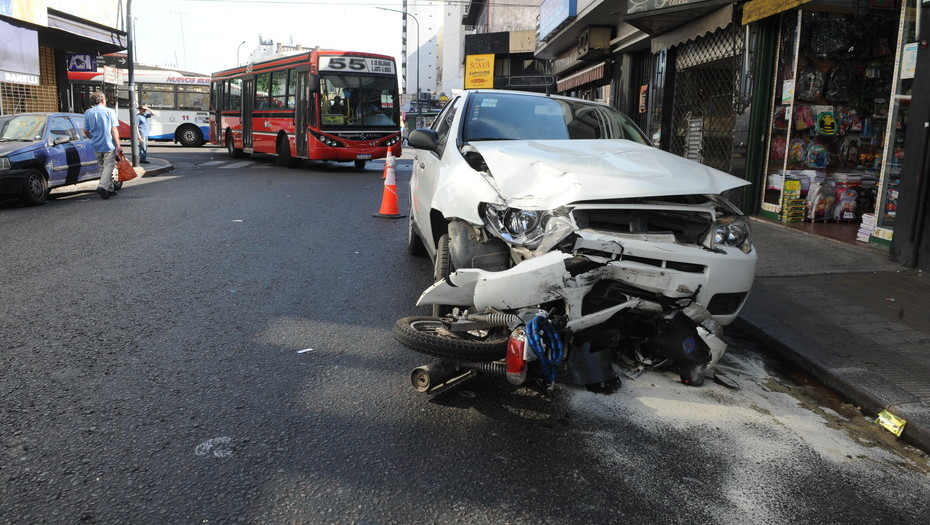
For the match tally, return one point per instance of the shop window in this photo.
(836, 137)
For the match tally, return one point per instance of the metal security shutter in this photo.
(707, 79)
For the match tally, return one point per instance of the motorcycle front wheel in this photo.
(431, 336)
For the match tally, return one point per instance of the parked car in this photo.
(560, 209)
(40, 151)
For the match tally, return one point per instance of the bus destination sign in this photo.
(345, 63)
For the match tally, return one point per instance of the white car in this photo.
(525, 200)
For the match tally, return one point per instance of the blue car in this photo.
(40, 151)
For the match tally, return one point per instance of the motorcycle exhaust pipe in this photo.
(439, 377)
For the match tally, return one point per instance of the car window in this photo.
(443, 122)
(78, 124)
(513, 116)
(61, 127)
(22, 128)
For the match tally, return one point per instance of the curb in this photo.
(852, 382)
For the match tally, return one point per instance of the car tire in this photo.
(231, 148)
(429, 335)
(190, 136)
(284, 153)
(415, 245)
(35, 189)
(442, 268)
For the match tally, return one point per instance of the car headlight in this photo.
(733, 231)
(533, 229)
(4, 163)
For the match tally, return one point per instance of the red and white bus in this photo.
(321, 105)
(179, 100)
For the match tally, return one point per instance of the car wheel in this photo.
(442, 268)
(360, 164)
(284, 153)
(415, 245)
(35, 189)
(231, 148)
(431, 336)
(190, 136)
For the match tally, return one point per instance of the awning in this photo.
(759, 9)
(582, 77)
(71, 33)
(659, 21)
(700, 27)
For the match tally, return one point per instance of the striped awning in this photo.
(582, 77)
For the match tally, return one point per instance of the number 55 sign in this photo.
(349, 64)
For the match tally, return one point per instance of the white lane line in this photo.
(237, 165)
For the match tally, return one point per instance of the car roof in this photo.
(43, 113)
(471, 92)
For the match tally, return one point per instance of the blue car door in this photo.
(64, 155)
(89, 167)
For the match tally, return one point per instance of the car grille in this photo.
(687, 227)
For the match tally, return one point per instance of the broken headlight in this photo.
(733, 231)
(533, 229)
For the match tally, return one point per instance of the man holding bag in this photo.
(102, 127)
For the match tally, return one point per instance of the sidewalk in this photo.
(848, 315)
(154, 167)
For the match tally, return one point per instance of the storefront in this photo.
(840, 94)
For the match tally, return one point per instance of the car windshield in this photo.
(22, 127)
(512, 116)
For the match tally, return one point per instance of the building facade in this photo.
(43, 40)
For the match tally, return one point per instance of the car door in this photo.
(62, 146)
(89, 167)
(426, 171)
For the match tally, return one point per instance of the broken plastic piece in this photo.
(891, 422)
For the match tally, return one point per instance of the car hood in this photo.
(552, 173)
(7, 148)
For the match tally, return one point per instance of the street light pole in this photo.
(418, 48)
(237, 53)
(131, 59)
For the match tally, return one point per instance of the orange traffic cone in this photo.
(389, 197)
(389, 163)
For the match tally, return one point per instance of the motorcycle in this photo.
(564, 312)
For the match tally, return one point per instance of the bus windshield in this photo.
(350, 100)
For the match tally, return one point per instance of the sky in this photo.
(204, 36)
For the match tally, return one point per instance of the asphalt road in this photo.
(213, 345)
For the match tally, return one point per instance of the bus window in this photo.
(262, 87)
(193, 97)
(291, 102)
(233, 94)
(157, 96)
(278, 89)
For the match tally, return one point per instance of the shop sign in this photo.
(479, 71)
(82, 62)
(19, 55)
(554, 14)
(110, 75)
(643, 91)
(909, 60)
(643, 6)
(759, 9)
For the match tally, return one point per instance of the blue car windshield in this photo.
(513, 116)
(22, 127)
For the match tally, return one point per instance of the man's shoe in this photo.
(104, 194)
(111, 192)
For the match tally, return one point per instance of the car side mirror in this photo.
(424, 139)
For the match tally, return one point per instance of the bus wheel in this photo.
(231, 148)
(360, 164)
(190, 136)
(284, 153)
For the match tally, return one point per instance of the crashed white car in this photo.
(556, 216)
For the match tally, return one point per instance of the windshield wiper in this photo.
(8, 139)
(490, 138)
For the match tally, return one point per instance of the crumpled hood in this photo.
(552, 173)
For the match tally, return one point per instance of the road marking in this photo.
(305, 350)
(237, 165)
(218, 447)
